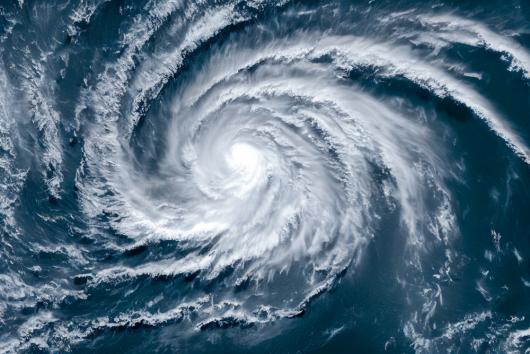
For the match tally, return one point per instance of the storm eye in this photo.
(243, 158)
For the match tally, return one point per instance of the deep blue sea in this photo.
(259, 176)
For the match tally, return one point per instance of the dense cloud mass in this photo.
(264, 176)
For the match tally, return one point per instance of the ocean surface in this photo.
(260, 176)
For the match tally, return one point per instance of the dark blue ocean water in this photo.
(264, 176)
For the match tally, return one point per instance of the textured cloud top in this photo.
(232, 174)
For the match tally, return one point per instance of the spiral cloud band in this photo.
(231, 170)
